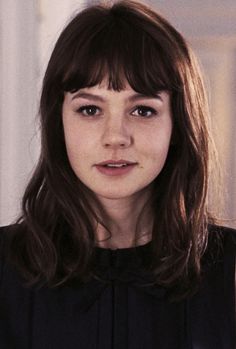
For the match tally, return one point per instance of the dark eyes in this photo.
(88, 110)
(141, 111)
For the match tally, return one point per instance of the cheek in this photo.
(80, 146)
(155, 147)
(73, 143)
(155, 159)
(74, 137)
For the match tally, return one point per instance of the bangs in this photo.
(118, 50)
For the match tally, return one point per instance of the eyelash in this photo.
(146, 109)
(84, 111)
(85, 108)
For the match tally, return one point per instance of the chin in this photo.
(118, 194)
(113, 196)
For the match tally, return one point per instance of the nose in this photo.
(116, 134)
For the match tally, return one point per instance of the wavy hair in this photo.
(124, 41)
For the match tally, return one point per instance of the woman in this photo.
(115, 247)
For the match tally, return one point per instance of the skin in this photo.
(116, 127)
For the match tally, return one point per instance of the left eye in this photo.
(144, 111)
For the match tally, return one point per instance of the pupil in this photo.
(92, 110)
(143, 111)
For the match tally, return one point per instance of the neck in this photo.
(129, 223)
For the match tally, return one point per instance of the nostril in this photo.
(116, 140)
(110, 145)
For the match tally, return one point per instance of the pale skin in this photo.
(101, 124)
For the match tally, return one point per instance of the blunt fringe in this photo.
(124, 41)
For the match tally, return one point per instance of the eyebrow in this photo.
(88, 96)
(138, 96)
(133, 98)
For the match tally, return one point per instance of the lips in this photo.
(115, 168)
(116, 163)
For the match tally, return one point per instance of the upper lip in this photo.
(116, 162)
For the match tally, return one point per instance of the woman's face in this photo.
(117, 142)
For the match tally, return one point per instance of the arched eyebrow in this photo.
(135, 97)
(90, 96)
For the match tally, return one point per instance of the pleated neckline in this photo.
(123, 257)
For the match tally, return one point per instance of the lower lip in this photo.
(115, 171)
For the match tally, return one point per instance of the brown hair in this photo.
(124, 41)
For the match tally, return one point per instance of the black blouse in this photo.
(117, 310)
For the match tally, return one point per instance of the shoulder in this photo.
(213, 306)
(220, 264)
(7, 235)
(224, 232)
(221, 239)
(221, 248)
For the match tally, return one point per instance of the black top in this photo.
(119, 312)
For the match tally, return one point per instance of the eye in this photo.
(88, 110)
(144, 111)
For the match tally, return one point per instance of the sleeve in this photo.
(6, 234)
(2, 259)
(212, 308)
(230, 277)
(229, 281)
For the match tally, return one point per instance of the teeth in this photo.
(116, 165)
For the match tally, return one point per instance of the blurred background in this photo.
(28, 31)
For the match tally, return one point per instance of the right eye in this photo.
(88, 110)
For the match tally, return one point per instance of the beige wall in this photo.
(210, 27)
(28, 29)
